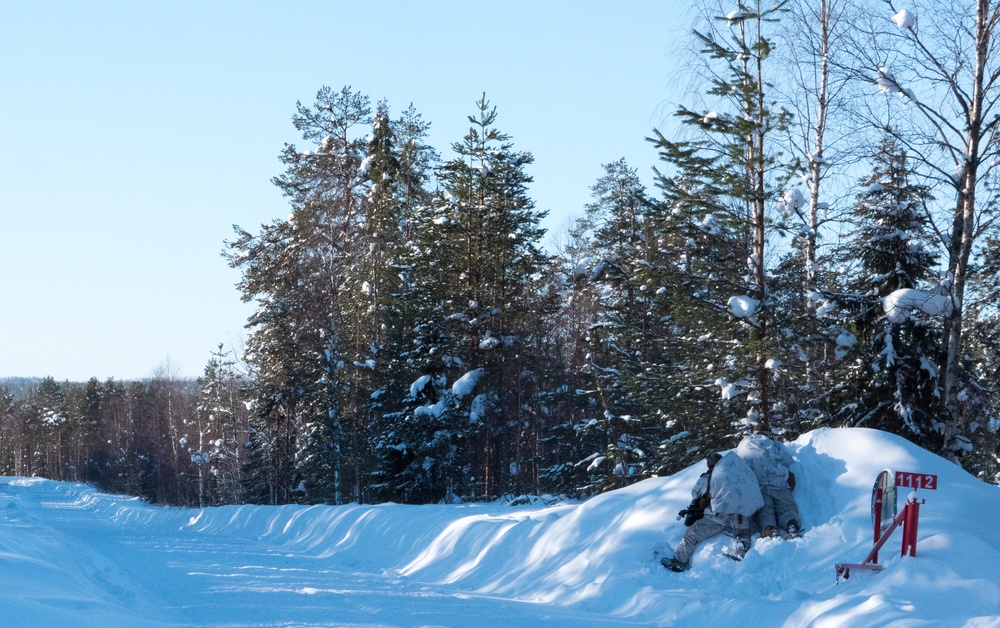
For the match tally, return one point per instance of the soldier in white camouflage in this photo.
(728, 495)
(771, 463)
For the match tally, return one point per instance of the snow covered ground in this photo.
(71, 556)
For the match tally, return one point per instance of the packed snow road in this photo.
(84, 562)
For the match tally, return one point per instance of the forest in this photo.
(819, 248)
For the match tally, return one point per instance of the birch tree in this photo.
(945, 70)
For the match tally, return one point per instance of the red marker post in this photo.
(909, 517)
(915, 481)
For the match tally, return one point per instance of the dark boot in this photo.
(673, 564)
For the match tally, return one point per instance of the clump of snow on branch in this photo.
(582, 268)
(743, 306)
(480, 404)
(729, 389)
(791, 202)
(710, 224)
(489, 342)
(417, 386)
(735, 16)
(824, 308)
(464, 384)
(899, 305)
(958, 174)
(887, 82)
(845, 341)
(905, 19)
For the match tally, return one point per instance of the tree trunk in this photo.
(962, 237)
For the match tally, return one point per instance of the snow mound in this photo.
(74, 556)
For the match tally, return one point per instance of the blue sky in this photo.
(133, 135)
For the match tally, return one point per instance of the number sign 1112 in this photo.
(916, 480)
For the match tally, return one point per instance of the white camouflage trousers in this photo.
(707, 527)
(779, 508)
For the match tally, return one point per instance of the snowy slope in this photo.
(72, 556)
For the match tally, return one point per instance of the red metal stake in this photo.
(910, 526)
(878, 522)
(909, 518)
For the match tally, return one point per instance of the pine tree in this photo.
(296, 270)
(716, 217)
(470, 267)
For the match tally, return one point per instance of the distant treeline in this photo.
(168, 440)
(20, 387)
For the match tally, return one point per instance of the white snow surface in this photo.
(72, 556)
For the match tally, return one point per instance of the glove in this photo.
(791, 481)
(691, 515)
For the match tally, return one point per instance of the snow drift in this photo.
(73, 556)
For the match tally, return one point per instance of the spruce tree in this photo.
(893, 384)
(625, 338)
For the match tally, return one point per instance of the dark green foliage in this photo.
(468, 295)
(891, 379)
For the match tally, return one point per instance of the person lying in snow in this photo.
(728, 495)
(770, 462)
